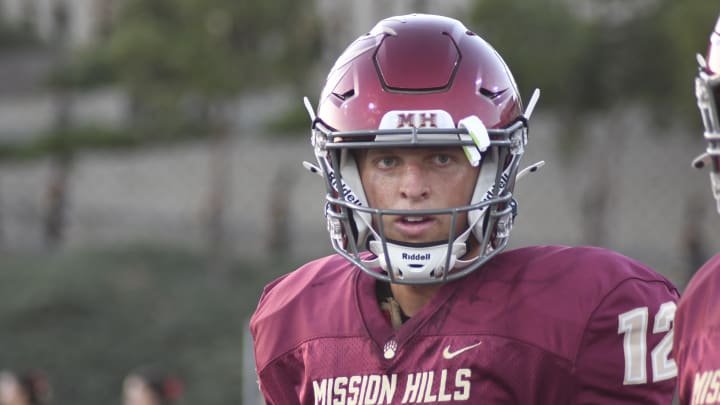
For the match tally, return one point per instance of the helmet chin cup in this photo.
(409, 263)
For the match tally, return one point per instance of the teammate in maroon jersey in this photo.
(418, 137)
(697, 327)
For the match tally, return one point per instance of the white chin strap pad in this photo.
(715, 184)
(421, 263)
(416, 263)
(356, 194)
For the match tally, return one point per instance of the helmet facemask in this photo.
(490, 212)
(707, 92)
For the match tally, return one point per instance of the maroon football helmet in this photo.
(419, 81)
(707, 92)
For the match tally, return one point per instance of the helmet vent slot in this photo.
(346, 95)
(492, 95)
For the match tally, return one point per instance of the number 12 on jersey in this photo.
(634, 325)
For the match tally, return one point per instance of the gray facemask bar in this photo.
(705, 87)
(509, 142)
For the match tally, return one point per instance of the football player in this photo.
(418, 136)
(150, 386)
(697, 327)
(24, 388)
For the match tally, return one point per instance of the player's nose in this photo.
(414, 184)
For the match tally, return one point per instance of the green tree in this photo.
(182, 61)
(684, 29)
(587, 64)
(595, 67)
(541, 44)
(181, 58)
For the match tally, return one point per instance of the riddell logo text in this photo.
(416, 388)
(347, 192)
(416, 256)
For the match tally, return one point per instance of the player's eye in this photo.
(386, 162)
(442, 159)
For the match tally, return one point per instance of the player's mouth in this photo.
(414, 226)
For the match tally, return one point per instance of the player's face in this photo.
(414, 179)
(10, 391)
(137, 392)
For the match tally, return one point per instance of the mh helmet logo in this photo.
(417, 120)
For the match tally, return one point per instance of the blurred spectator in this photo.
(147, 386)
(24, 388)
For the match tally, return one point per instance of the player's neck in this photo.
(412, 298)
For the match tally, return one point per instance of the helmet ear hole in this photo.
(348, 94)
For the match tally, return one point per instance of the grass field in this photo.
(87, 317)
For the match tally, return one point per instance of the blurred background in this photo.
(151, 180)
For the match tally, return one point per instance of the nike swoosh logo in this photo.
(447, 354)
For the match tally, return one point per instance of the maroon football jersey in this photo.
(538, 325)
(697, 337)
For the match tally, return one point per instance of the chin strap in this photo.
(420, 263)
